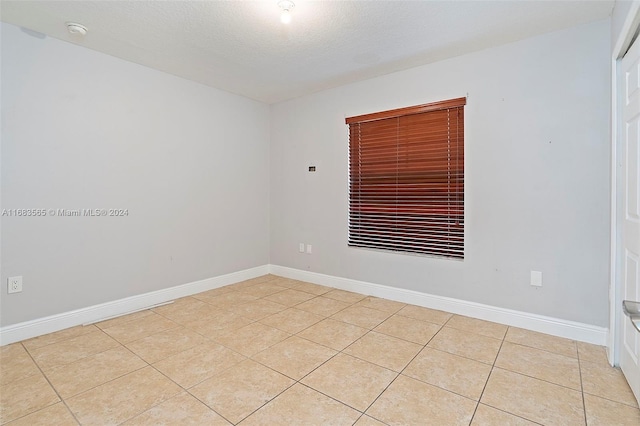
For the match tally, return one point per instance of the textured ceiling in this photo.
(241, 46)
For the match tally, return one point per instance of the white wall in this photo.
(81, 129)
(192, 164)
(537, 176)
(622, 11)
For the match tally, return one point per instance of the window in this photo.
(406, 179)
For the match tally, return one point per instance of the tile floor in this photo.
(275, 351)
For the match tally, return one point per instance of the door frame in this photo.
(619, 48)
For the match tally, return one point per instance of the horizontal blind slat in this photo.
(406, 180)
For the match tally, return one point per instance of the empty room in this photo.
(294, 212)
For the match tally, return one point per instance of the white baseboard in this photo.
(40, 326)
(554, 326)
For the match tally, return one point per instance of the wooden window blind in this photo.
(406, 179)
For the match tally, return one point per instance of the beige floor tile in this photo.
(220, 323)
(71, 350)
(468, 345)
(22, 397)
(58, 336)
(263, 279)
(15, 364)
(199, 363)
(143, 327)
(533, 399)
(123, 319)
(368, 421)
(350, 380)
(542, 341)
(425, 314)
(251, 339)
(165, 343)
(361, 316)
(559, 369)
(258, 309)
(602, 412)
(385, 351)
(333, 334)
(187, 303)
(606, 382)
(228, 300)
(210, 294)
(267, 278)
(463, 376)
(186, 309)
(408, 329)
(182, 409)
(87, 373)
(263, 290)
(592, 353)
(311, 288)
(294, 357)
(384, 305)
(242, 285)
(240, 390)
(286, 282)
(344, 296)
(56, 414)
(322, 306)
(290, 297)
(489, 416)
(292, 320)
(536, 377)
(473, 325)
(123, 398)
(300, 405)
(404, 403)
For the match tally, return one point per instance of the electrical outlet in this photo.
(301, 247)
(536, 278)
(14, 284)
(308, 248)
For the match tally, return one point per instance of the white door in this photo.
(629, 212)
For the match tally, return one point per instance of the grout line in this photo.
(493, 365)
(612, 400)
(64, 400)
(358, 419)
(148, 335)
(401, 371)
(541, 349)
(322, 344)
(584, 405)
(58, 341)
(331, 397)
(537, 378)
(418, 319)
(449, 319)
(299, 381)
(511, 414)
(205, 404)
(52, 388)
(85, 356)
(274, 281)
(271, 399)
(299, 310)
(107, 382)
(159, 403)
